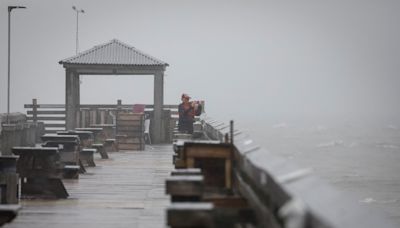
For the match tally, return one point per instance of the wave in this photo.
(280, 125)
(387, 146)
(334, 143)
(372, 200)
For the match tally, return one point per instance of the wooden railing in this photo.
(53, 115)
(284, 195)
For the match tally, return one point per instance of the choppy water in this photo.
(362, 161)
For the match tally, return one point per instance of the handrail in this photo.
(284, 195)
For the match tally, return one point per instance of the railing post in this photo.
(119, 107)
(231, 131)
(202, 106)
(34, 110)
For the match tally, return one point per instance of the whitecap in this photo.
(368, 200)
(387, 146)
(371, 200)
(280, 125)
(331, 144)
(353, 144)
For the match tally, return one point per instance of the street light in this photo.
(10, 8)
(77, 20)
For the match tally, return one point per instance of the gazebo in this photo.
(112, 58)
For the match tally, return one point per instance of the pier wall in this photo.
(284, 194)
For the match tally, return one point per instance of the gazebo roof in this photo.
(113, 53)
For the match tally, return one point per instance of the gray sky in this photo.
(278, 60)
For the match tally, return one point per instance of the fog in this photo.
(269, 61)
(313, 81)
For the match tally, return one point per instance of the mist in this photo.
(252, 61)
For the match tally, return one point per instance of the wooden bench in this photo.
(8, 212)
(60, 138)
(182, 136)
(86, 137)
(100, 148)
(186, 172)
(71, 171)
(110, 145)
(98, 134)
(69, 156)
(212, 157)
(178, 145)
(40, 171)
(8, 180)
(87, 156)
(207, 215)
(108, 129)
(185, 188)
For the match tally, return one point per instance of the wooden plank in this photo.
(48, 118)
(126, 140)
(125, 191)
(185, 185)
(45, 106)
(130, 117)
(208, 152)
(56, 125)
(131, 146)
(47, 112)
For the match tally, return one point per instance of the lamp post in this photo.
(10, 8)
(77, 20)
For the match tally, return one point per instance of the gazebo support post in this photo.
(158, 133)
(72, 99)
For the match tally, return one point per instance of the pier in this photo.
(126, 190)
(126, 165)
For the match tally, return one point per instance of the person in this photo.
(187, 111)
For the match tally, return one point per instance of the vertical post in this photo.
(34, 110)
(119, 104)
(231, 131)
(8, 71)
(203, 106)
(77, 29)
(158, 107)
(71, 99)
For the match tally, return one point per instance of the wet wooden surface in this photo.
(126, 190)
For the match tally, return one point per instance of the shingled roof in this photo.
(114, 53)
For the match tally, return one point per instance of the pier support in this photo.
(72, 98)
(158, 133)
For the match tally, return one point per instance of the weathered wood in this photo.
(86, 137)
(214, 159)
(71, 171)
(47, 112)
(52, 118)
(64, 138)
(110, 145)
(40, 171)
(98, 134)
(55, 125)
(136, 118)
(125, 191)
(87, 157)
(184, 214)
(185, 188)
(186, 172)
(101, 150)
(190, 215)
(8, 212)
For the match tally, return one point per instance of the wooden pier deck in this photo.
(126, 190)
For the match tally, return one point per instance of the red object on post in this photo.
(138, 108)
